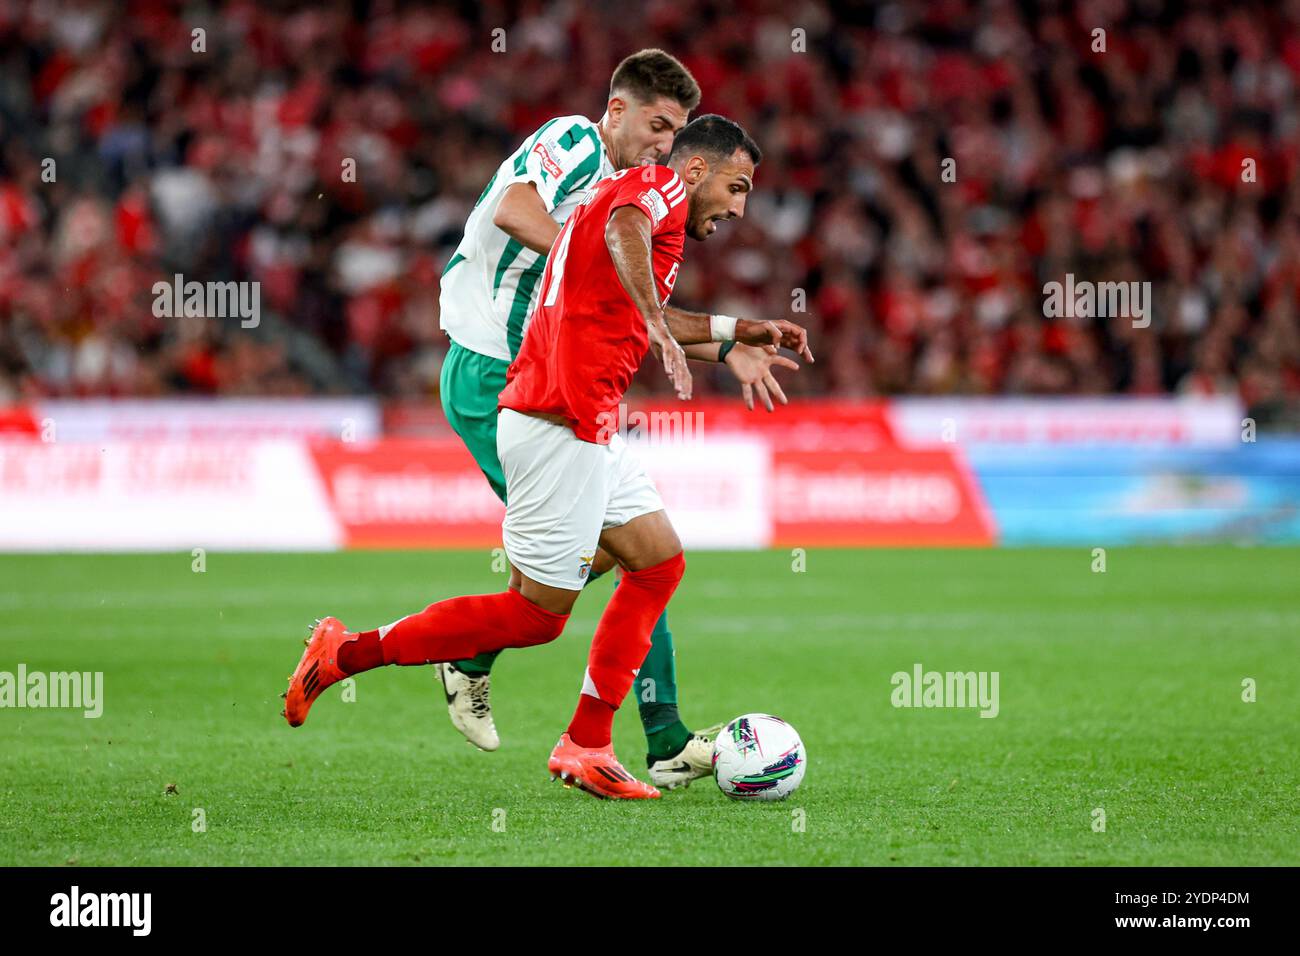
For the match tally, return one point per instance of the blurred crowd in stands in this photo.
(1162, 149)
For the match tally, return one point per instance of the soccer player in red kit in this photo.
(571, 482)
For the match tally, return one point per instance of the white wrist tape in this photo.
(722, 328)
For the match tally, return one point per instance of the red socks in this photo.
(619, 648)
(463, 627)
(593, 720)
(453, 630)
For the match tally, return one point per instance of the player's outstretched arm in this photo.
(627, 236)
(692, 327)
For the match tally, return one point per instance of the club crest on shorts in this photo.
(584, 564)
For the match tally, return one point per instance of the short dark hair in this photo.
(716, 137)
(650, 74)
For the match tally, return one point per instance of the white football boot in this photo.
(693, 761)
(469, 703)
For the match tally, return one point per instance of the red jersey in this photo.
(586, 339)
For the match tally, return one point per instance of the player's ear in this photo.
(695, 171)
(616, 107)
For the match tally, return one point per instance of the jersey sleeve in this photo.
(560, 158)
(658, 192)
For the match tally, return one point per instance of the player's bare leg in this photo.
(650, 554)
(594, 769)
(676, 755)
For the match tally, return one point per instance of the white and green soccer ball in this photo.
(758, 757)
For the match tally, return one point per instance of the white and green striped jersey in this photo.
(490, 284)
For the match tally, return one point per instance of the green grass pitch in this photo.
(1119, 690)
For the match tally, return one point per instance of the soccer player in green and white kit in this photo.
(489, 287)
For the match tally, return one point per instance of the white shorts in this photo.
(561, 492)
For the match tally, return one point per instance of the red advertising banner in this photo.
(430, 494)
(18, 421)
(402, 493)
(809, 424)
(889, 497)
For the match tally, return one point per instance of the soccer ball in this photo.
(758, 757)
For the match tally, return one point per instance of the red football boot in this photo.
(597, 771)
(317, 670)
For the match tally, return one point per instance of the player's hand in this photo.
(752, 365)
(674, 360)
(779, 333)
(668, 351)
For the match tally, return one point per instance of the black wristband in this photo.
(726, 347)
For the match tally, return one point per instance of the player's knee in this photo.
(666, 574)
(535, 625)
(541, 631)
(536, 635)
